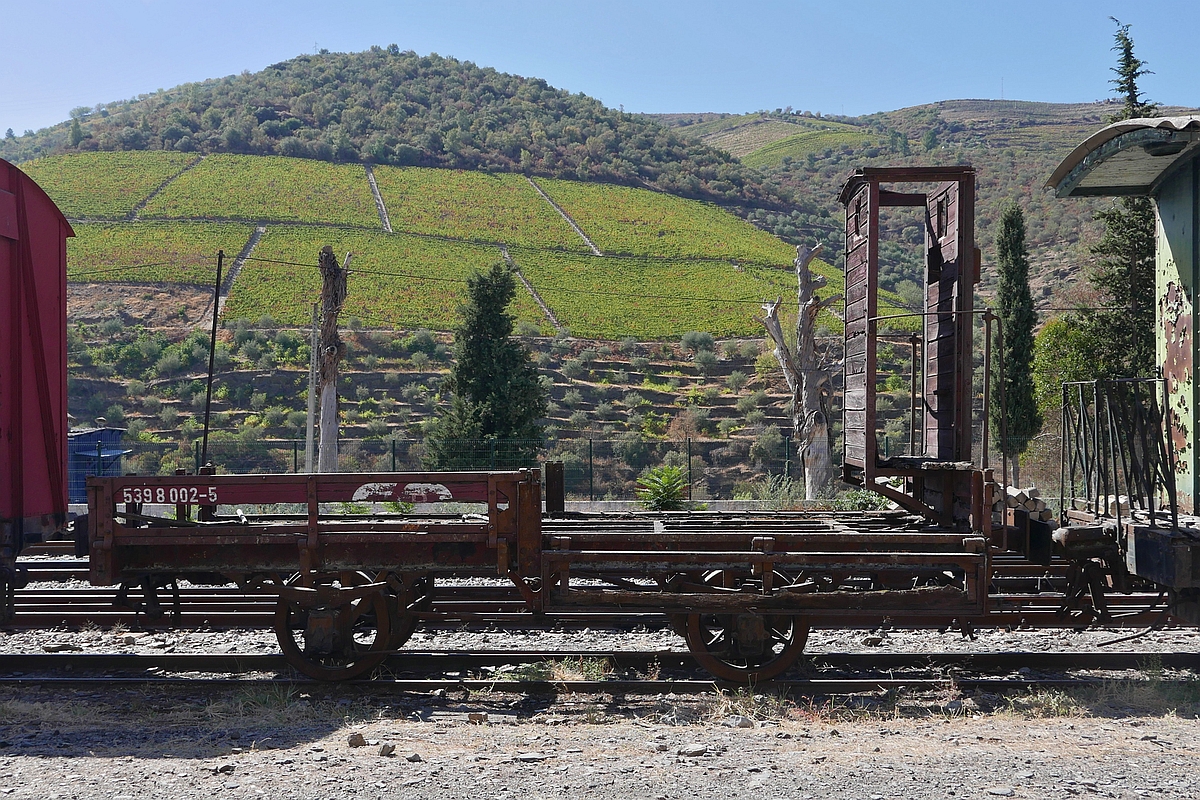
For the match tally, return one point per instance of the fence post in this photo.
(99, 459)
(197, 456)
(393, 455)
(491, 453)
(688, 441)
(591, 474)
(295, 455)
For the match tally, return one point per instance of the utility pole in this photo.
(310, 443)
(333, 296)
(212, 354)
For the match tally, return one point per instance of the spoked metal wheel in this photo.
(410, 594)
(743, 647)
(746, 648)
(336, 631)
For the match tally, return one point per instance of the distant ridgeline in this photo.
(384, 106)
(1013, 145)
(665, 265)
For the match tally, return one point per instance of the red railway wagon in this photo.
(33, 368)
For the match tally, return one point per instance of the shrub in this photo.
(572, 398)
(377, 428)
(768, 445)
(258, 401)
(736, 380)
(421, 340)
(750, 350)
(588, 356)
(632, 399)
(578, 420)
(420, 360)
(705, 361)
(169, 416)
(605, 410)
(115, 414)
(662, 489)
(362, 392)
(135, 388)
(620, 376)
(168, 364)
(697, 341)
(151, 404)
(639, 363)
(543, 359)
(527, 329)
(275, 416)
(754, 417)
(572, 368)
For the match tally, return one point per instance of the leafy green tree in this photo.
(496, 394)
(1122, 333)
(1117, 339)
(1022, 419)
(1129, 68)
(76, 135)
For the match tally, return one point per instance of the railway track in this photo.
(425, 671)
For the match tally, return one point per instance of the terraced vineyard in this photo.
(801, 145)
(655, 298)
(670, 265)
(396, 280)
(626, 221)
(174, 252)
(269, 188)
(472, 205)
(104, 185)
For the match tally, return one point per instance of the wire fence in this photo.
(594, 468)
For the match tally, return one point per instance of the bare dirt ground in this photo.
(153, 305)
(1123, 739)
(279, 742)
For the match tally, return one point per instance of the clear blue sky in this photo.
(647, 55)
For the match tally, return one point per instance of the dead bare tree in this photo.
(806, 373)
(333, 296)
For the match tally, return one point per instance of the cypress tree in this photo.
(1117, 341)
(497, 398)
(1021, 416)
(1123, 337)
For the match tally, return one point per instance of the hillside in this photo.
(384, 106)
(1013, 145)
(598, 260)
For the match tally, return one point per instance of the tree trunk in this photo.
(333, 296)
(807, 377)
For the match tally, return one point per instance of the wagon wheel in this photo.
(409, 594)
(744, 648)
(335, 642)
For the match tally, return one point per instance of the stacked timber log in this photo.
(1029, 499)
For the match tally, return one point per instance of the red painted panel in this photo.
(33, 359)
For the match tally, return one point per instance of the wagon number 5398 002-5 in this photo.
(169, 494)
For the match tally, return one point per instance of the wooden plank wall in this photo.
(941, 331)
(862, 221)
